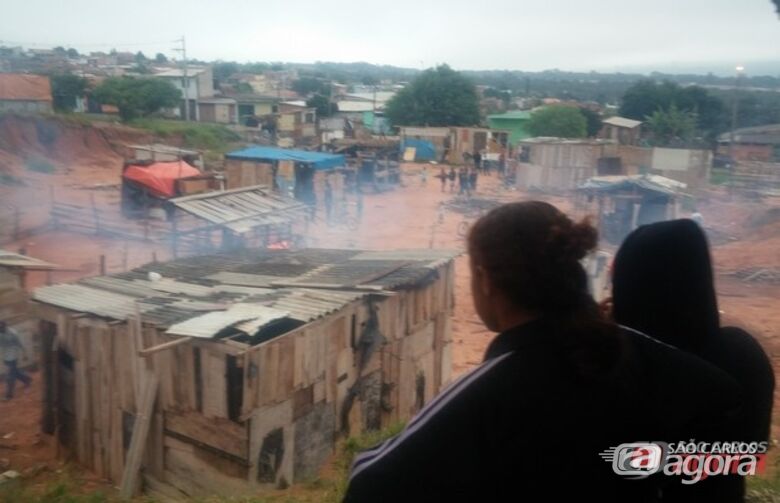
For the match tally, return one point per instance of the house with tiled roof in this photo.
(22, 92)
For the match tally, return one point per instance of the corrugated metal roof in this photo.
(245, 279)
(243, 209)
(655, 183)
(85, 299)
(11, 259)
(192, 287)
(247, 317)
(622, 122)
(308, 304)
(435, 258)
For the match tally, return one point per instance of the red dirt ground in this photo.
(403, 218)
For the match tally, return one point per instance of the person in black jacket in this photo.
(663, 286)
(559, 386)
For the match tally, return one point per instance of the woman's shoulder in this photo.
(735, 347)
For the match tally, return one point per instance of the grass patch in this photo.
(196, 135)
(327, 489)
(40, 165)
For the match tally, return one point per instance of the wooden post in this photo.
(95, 213)
(175, 239)
(124, 258)
(154, 257)
(17, 223)
(138, 440)
(102, 265)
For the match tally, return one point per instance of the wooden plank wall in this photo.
(247, 173)
(285, 380)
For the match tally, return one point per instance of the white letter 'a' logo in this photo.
(637, 460)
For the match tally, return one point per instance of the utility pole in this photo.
(734, 112)
(185, 79)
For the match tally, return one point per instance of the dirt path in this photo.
(407, 217)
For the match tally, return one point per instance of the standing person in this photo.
(477, 160)
(463, 181)
(359, 204)
(451, 176)
(12, 349)
(557, 381)
(424, 175)
(501, 164)
(473, 180)
(442, 176)
(663, 285)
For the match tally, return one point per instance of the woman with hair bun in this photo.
(559, 389)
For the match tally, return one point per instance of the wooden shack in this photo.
(228, 374)
(623, 203)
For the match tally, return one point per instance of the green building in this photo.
(515, 121)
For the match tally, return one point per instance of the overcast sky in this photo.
(603, 35)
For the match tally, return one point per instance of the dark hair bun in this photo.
(582, 239)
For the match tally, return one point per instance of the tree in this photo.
(492, 92)
(672, 127)
(306, 86)
(558, 121)
(593, 121)
(137, 97)
(225, 69)
(60, 51)
(73, 53)
(322, 104)
(140, 58)
(437, 97)
(646, 97)
(160, 58)
(65, 89)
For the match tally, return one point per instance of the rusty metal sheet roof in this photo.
(242, 209)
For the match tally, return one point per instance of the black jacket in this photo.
(663, 285)
(526, 426)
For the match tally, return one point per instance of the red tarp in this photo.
(160, 177)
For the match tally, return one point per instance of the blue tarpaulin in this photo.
(424, 150)
(318, 160)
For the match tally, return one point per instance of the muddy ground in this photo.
(411, 216)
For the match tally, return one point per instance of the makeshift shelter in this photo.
(623, 203)
(227, 373)
(292, 172)
(149, 184)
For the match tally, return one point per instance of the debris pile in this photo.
(759, 275)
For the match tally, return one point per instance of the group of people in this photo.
(466, 178)
(566, 381)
